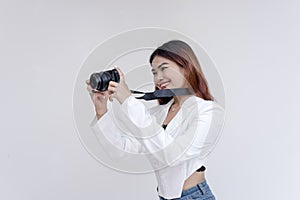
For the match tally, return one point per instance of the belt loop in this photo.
(202, 192)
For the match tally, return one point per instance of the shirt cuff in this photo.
(96, 124)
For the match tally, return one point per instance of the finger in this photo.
(87, 82)
(98, 96)
(113, 84)
(111, 89)
(96, 91)
(89, 88)
(120, 72)
(101, 96)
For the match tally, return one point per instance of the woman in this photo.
(183, 129)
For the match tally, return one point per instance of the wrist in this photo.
(99, 114)
(124, 98)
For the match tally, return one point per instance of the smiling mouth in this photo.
(163, 85)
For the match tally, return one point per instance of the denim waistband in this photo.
(202, 187)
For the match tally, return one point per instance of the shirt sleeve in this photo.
(112, 135)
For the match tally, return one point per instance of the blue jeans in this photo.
(198, 192)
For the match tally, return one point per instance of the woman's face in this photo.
(167, 74)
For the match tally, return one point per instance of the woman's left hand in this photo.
(120, 90)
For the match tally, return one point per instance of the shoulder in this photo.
(197, 104)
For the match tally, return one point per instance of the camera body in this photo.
(99, 81)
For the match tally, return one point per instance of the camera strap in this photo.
(158, 94)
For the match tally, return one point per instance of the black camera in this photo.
(99, 81)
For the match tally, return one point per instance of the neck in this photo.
(178, 100)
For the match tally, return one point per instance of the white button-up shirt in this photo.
(175, 152)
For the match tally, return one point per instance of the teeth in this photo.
(164, 84)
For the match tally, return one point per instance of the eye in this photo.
(163, 68)
(154, 73)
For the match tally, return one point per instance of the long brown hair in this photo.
(183, 55)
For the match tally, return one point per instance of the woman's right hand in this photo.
(99, 100)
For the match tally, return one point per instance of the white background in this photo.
(254, 44)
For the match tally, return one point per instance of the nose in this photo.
(158, 78)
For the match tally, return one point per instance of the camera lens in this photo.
(94, 80)
(99, 81)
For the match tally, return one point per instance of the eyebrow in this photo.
(159, 66)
